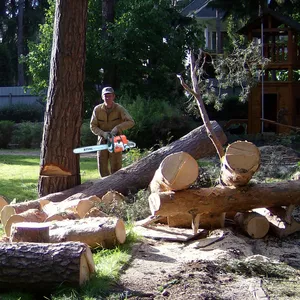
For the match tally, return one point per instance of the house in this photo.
(215, 31)
(274, 104)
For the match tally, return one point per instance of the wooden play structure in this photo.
(276, 99)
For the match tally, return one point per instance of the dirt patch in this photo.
(232, 267)
(190, 271)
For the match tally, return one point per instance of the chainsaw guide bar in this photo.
(114, 144)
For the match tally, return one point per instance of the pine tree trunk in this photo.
(63, 117)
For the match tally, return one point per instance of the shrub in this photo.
(22, 112)
(156, 121)
(6, 130)
(87, 137)
(27, 134)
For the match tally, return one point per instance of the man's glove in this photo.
(105, 135)
(115, 131)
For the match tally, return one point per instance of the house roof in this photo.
(199, 9)
(277, 20)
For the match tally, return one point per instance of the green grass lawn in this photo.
(19, 178)
(20, 173)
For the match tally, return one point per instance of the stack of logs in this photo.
(49, 243)
(256, 208)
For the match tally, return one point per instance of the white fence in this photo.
(16, 95)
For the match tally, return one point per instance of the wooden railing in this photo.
(278, 52)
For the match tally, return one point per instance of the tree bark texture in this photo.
(138, 175)
(225, 199)
(63, 117)
(30, 232)
(44, 267)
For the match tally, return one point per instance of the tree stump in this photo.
(30, 232)
(254, 224)
(39, 267)
(240, 162)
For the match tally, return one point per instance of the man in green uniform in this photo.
(109, 117)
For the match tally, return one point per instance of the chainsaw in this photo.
(114, 144)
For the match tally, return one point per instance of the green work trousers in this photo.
(108, 163)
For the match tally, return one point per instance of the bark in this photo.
(176, 172)
(240, 162)
(44, 267)
(225, 199)
(95, 232)
(30, 232)
(63, 117)
(138, 175)
(254, 224)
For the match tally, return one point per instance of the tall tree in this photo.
(20, 42)
(19, 23)
(59, 167)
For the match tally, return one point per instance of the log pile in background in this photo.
(206, 207)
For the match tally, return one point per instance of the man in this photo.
(109, 118)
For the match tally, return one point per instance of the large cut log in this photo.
(225, 199)
(30, 232)
(95, 232)
(176, 172)
(138, 175)
(39, 267)
(240, 162)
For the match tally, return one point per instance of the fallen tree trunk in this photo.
(138, 175)
(68, 264)
(95, 232)
(225, 199)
